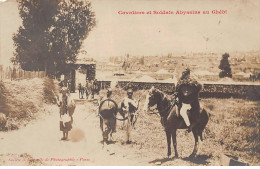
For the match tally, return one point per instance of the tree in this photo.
(225, 67)
(52, 33)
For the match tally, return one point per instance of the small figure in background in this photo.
(94, 88)
(88, 88)
(81, 91)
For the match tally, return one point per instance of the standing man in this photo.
(130, 105)
(81, 91)
(94, 88)
(87, 88)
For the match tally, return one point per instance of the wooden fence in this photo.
(12, 73)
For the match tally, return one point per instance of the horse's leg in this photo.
(201, 138)
(175, 143)
(195, 150)
(168, 135)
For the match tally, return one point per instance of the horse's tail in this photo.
(204, 118)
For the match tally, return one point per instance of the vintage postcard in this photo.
(129, 83)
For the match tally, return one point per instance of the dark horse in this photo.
(172, 122)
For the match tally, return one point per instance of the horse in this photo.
(172, 122)
(107, 112)
(67, 108)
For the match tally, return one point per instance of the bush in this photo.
(3, 105)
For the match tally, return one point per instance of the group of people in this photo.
(186, 97)
(128, 104)
(91, 88)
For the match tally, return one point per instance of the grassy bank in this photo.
(233, 128)
(22, 100)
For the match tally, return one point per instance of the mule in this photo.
(172, 122)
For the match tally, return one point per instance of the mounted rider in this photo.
(187, 99)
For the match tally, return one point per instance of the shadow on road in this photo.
(161, 161)
(199, 159)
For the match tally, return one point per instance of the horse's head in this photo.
(153, 97)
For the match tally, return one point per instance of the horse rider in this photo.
(130, 105)
(187, 98)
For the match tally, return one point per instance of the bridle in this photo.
(170, 106)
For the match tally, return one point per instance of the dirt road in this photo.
(41, 141)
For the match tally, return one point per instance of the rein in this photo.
(169, 106)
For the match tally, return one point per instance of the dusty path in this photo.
(41, 140)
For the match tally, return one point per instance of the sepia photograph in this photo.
(129, 83)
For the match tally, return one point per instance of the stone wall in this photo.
(214, 90)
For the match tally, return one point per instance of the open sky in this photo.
(115, 34)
